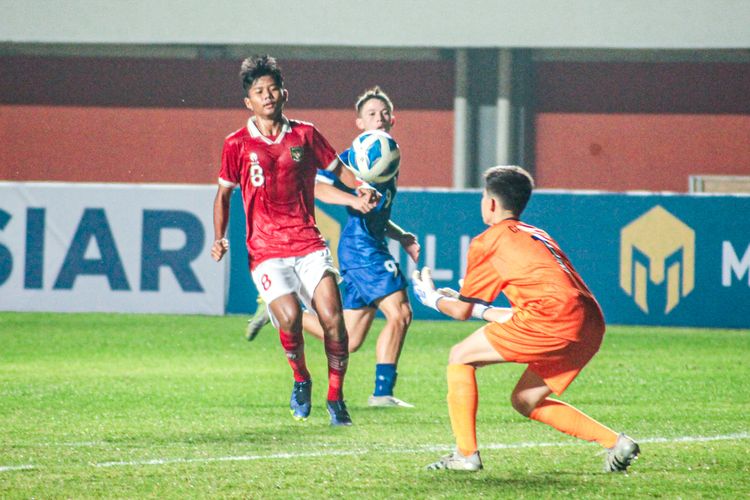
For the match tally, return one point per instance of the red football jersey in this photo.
(277, 178)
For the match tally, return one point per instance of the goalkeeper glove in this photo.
(424, 288)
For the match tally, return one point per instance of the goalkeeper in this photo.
(554, 325)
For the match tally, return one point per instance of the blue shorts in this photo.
(363, 286)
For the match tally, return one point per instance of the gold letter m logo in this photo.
(658, 236)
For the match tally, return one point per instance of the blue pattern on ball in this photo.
(374, 153)
(374, 156)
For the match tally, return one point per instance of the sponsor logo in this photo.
(657, 247)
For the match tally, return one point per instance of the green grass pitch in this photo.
(134, 406)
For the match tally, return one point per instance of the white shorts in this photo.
(293, 275)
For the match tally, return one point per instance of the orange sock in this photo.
(462, 406)
(569, 420)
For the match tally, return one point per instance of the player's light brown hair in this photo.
(511, 184)
(374, 93)
(255, 67)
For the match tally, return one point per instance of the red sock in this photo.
(294, 347)
(337, 352)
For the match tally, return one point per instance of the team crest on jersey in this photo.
(296, 153)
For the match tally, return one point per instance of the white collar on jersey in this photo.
(255, 133)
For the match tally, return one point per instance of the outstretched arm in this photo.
(407, 239)
(351, 181)
(221, 219)
(328, 193)
(344, 174)
(446, 301)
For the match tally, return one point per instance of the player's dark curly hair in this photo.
(511, 184)
(257, 66)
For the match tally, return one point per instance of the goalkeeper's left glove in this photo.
(424, 288)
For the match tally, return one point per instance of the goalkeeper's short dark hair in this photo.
(512, 185)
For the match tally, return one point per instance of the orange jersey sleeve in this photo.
(482, 283)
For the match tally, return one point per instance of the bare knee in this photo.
(456, 357)
(356, 336)
(399, 318)
(522, 403)
(355, 344)
(327, 304)
(331, 320)
(290, 324)
(358, 322)
(289, 318)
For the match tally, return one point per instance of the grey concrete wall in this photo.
(668, 24)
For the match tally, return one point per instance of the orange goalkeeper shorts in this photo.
(556, 360)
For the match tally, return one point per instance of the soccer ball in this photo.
(374, 156)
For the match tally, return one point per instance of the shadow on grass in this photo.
(492, 483)
(283, 436)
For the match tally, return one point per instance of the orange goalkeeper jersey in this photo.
(523, 262)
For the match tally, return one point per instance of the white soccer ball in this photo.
(374, 156)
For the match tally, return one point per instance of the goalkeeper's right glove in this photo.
(424, 288)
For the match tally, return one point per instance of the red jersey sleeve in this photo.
(229, 175)
(481, 283)
(323, 152)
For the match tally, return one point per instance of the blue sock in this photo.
(385, 379)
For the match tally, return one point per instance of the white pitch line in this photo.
(517, 446)
(241, 458)
(421, 449)
(496, 446)
(697, 439)
(4, 468)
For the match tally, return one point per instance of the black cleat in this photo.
(339, 413)
(300, 402)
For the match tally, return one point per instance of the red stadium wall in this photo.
(636, 126)
(635, 152)
(83, 144)
(610, 126)
(148, 120)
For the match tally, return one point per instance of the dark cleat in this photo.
(339, 413)
(300, 402)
